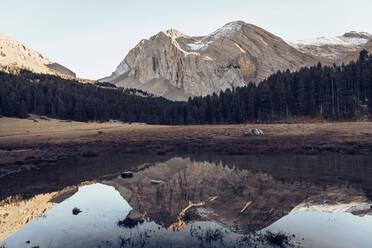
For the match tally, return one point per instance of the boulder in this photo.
(253, 132)
(76, 211)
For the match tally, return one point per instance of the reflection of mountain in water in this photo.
(241, 193)
(97, 226)
(178, 192)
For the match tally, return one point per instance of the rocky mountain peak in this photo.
(13, 52)
(355, 34)
(177, 66)
(174, 34)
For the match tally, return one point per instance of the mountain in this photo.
(355, 55)
(339, 49)
(176, 66)
(13, 52)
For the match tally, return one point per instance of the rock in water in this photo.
(127, 174)
(76, 211)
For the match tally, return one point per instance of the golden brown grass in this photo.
(23, 137)
(15, 129)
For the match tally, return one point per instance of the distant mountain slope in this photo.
(337, 48)
(61, 69)
(355, 55)
(177, 66)
(13, 52)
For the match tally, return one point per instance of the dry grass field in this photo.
(40, 137)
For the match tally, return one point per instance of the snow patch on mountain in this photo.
(321, 41)
(199, 45)
(226, 30)
(358, 34)
(354, 40)
(349, 39)
(366, 34)
(291, 43)
(222, 32)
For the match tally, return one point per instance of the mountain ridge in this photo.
(334, 48)
(14, 53)
(231, 56)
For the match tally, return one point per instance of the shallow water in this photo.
(327, 229)
(203, 201)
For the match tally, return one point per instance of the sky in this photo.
(91, 37)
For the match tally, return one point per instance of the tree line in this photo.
(325, 92)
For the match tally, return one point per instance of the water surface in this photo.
(204, 201)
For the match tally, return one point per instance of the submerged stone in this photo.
(76, 211)
(127, 174)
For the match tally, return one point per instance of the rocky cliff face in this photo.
(337, 49)
(13, 52)
(176, 66)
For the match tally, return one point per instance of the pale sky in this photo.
(91, 37)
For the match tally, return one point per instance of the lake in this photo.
(198, 200)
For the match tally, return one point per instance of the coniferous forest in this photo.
(333, 93)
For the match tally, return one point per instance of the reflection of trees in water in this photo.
(325, 170)
(70, 171)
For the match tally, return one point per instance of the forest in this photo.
(333, 93)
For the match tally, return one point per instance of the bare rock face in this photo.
(13, 52)
(337, 49)
(176, 66)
